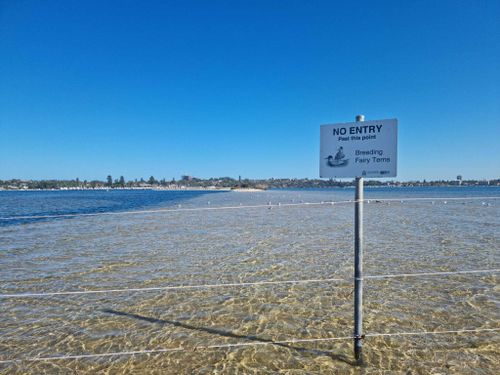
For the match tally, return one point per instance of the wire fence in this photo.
(238, 345)
(244, 284)
(242, 207)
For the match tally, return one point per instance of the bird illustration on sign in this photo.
(339, 160)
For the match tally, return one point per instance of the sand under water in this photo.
(251, 245)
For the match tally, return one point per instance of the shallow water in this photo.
(249, 245)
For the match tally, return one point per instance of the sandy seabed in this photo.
(251, 245)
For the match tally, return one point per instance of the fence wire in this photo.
(236, 345)
(243, 284)
(268, 205)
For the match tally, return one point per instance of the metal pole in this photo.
(358, 267)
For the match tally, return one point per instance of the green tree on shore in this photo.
(109, 181)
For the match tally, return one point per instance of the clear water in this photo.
(283, 243)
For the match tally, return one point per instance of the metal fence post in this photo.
(358, 267)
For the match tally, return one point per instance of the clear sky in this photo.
(228, 88)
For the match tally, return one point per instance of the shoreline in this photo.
(181, 188)
(252, 190)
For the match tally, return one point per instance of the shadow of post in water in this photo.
(224, 333)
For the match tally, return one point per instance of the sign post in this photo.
(359, 149)
(358, 266)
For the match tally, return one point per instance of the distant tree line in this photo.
(222, 182)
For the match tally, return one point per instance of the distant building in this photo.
(187, 178)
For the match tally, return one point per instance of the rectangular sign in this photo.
(359, 149)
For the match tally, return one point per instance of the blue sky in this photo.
(228, 88)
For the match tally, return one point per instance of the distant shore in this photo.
(156, 188)
(224, 184)
(229, 189)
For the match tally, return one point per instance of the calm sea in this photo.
(199, 247)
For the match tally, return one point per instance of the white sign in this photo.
(359, 149)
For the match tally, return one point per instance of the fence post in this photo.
(358, 266)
